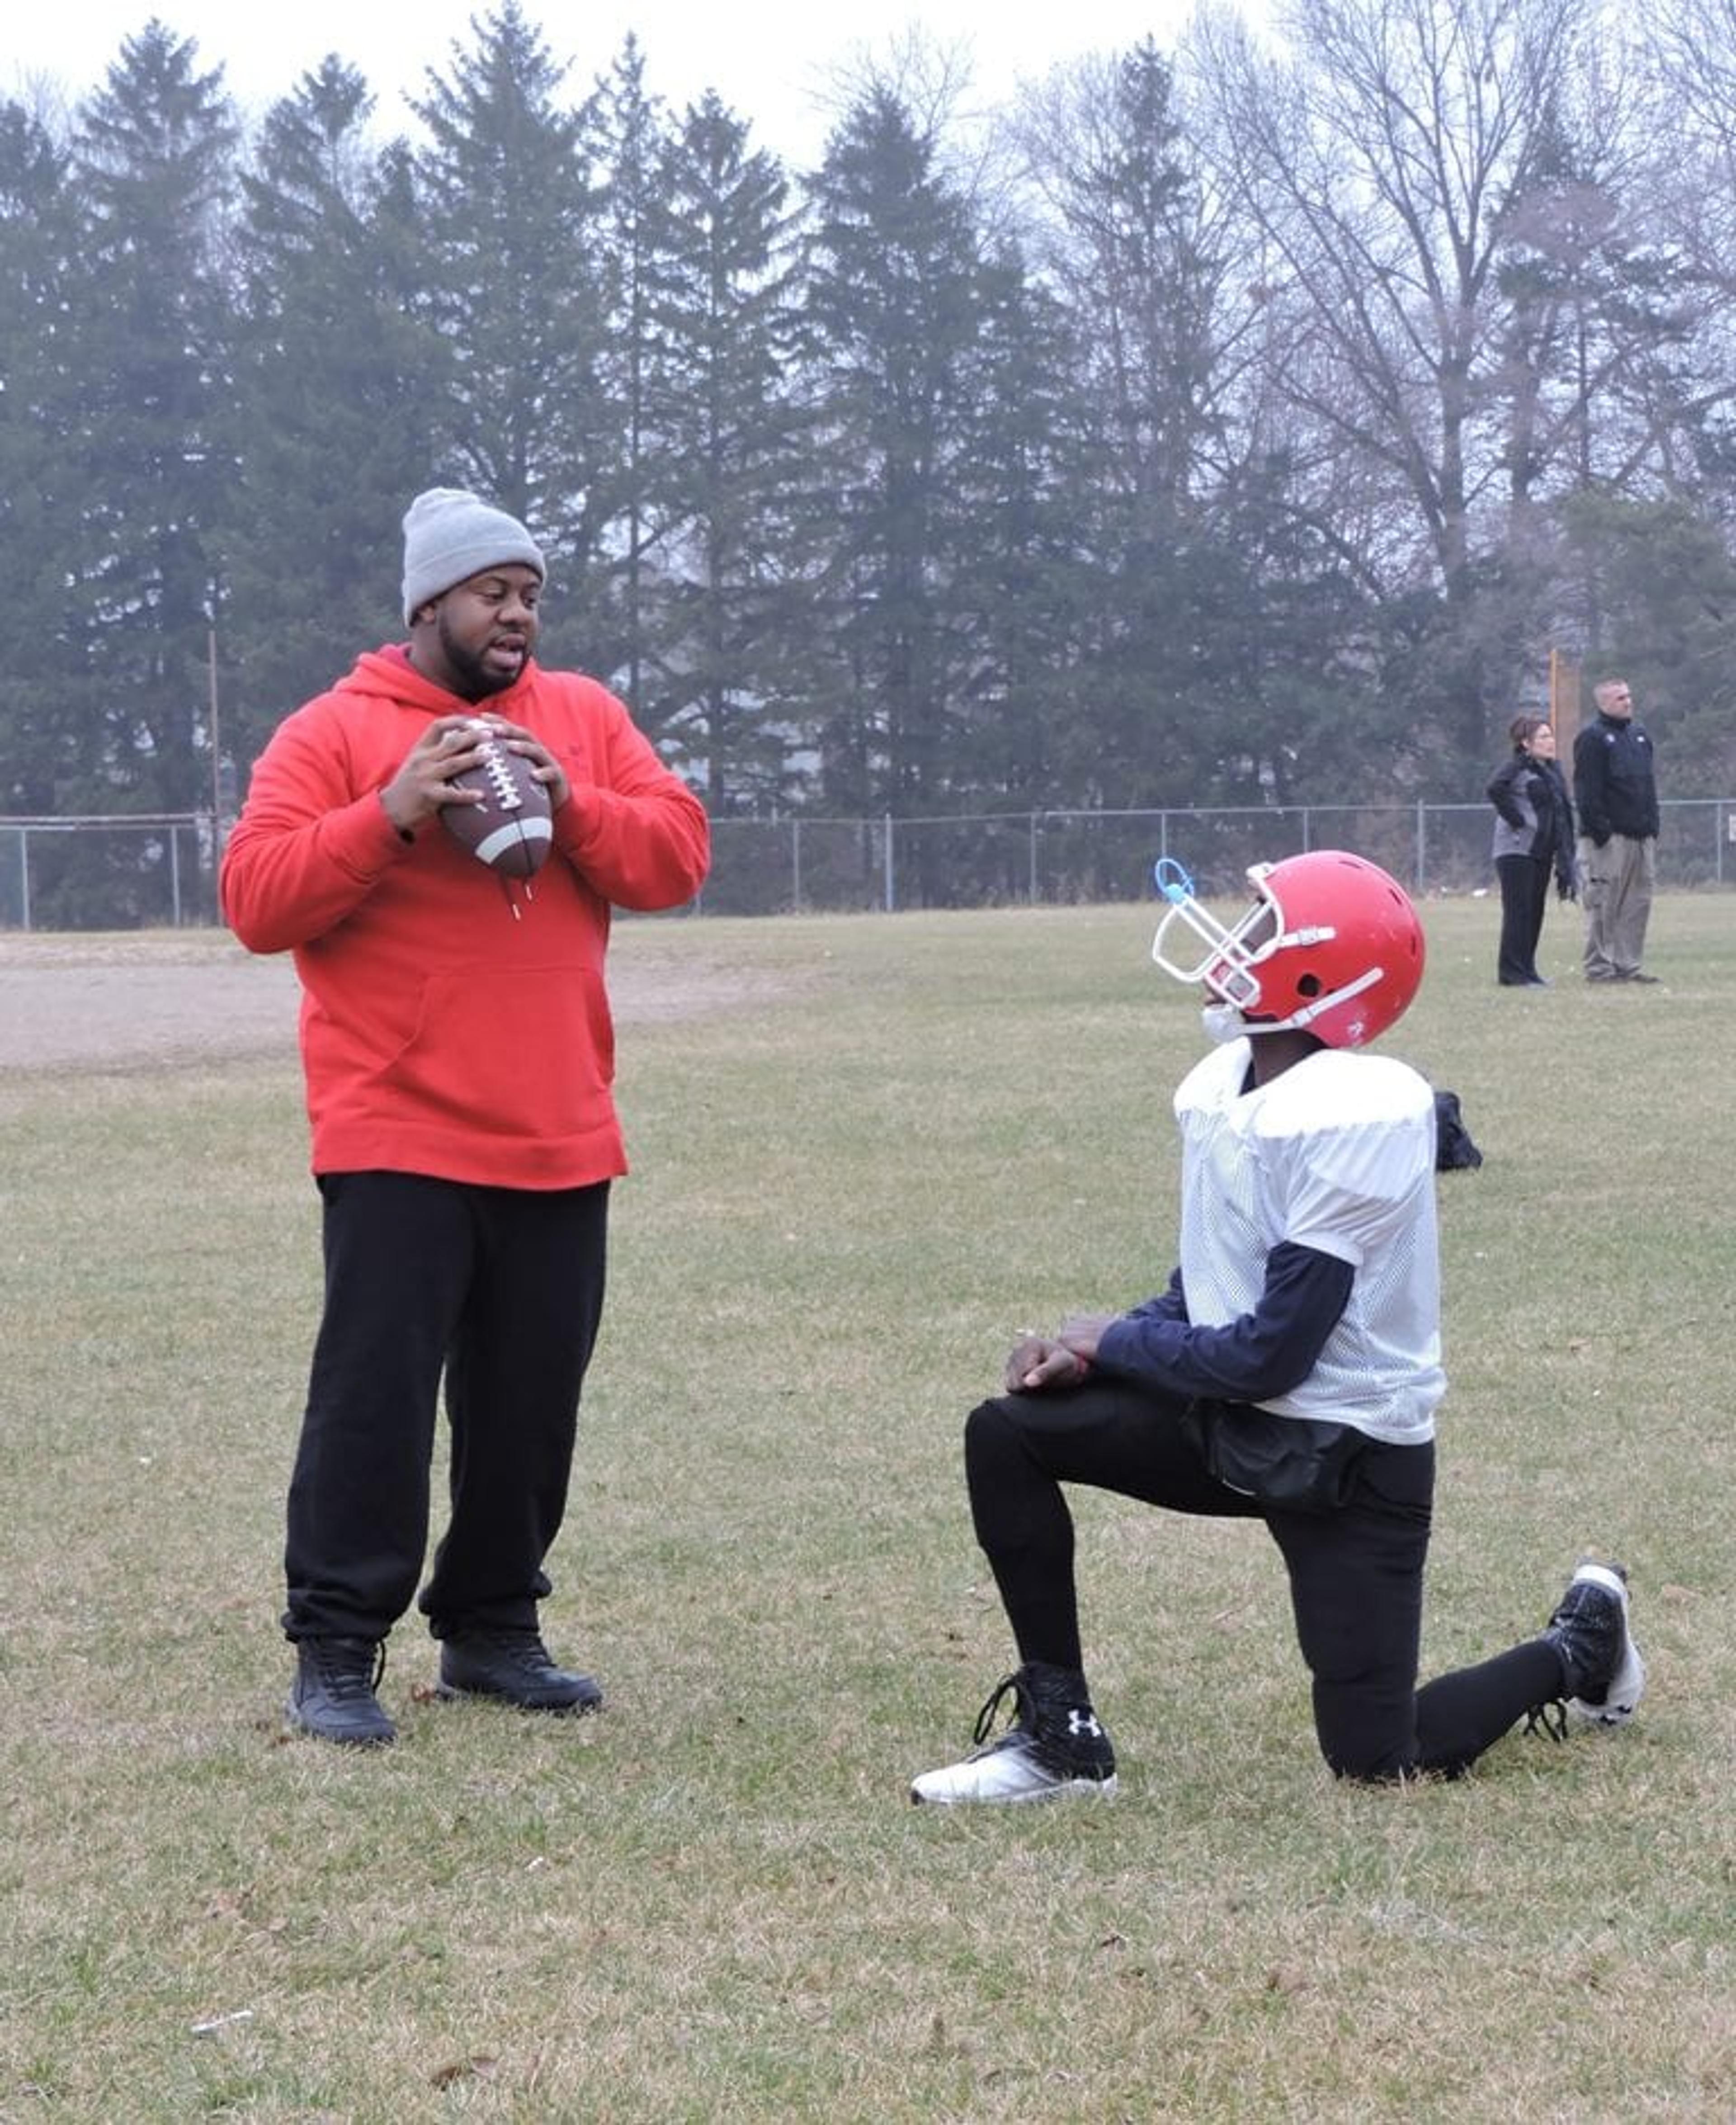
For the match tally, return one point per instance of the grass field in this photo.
(881, 1146)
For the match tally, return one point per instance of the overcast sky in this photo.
(769, 60)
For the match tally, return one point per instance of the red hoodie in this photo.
(439, 1034)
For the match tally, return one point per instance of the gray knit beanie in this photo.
(450, 535)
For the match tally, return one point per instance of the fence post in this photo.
(795, 863)
(24, 877)
(1422, 854)
(891, 897)
(1033, 858)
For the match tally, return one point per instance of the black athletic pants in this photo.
(1356, 1576)
(1524, 896)
(500, 1291)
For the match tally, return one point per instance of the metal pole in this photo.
(891, 897)
(795, 863)
(24, 877)
(216, 746)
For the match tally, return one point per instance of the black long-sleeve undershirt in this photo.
(1256, 1357)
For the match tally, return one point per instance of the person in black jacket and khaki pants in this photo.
(1616, 795)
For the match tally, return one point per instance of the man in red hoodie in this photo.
(459, 1054)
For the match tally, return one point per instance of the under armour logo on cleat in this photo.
(1083, 1722)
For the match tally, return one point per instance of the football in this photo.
(512, 829)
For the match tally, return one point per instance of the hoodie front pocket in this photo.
(523, 1051)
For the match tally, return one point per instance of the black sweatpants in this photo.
(1524, 896)
(1356, 1576)
(500, 1291)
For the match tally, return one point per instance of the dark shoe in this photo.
(1645, 981)
(1602, 1675)
(1538, 982)
(1056, 1747)
(333, 1694)
(514, 1666)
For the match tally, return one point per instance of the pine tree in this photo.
(724, 608)
(338, 376)
(626, 132)
(42, 746)
(154, 149)
(894, 308)
(525, 415)
(1019, 593)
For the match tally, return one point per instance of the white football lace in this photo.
(506, 789)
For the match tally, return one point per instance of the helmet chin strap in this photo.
(1300, 1020)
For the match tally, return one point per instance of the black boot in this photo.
(513, 1666)
(333, 1694)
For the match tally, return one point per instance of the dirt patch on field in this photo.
(122, 1002)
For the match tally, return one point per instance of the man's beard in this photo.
(475, 680)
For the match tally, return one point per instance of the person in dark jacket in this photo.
(1616, 794)
(1534, 838)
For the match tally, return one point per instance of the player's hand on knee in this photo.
(1039, 1362)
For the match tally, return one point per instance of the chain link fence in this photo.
(142, 871)
(763, 867)
(145, 871)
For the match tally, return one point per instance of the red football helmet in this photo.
(1331, 945)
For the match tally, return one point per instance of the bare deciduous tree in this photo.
(1377, 159)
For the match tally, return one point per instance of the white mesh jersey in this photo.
(1337, 1154)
